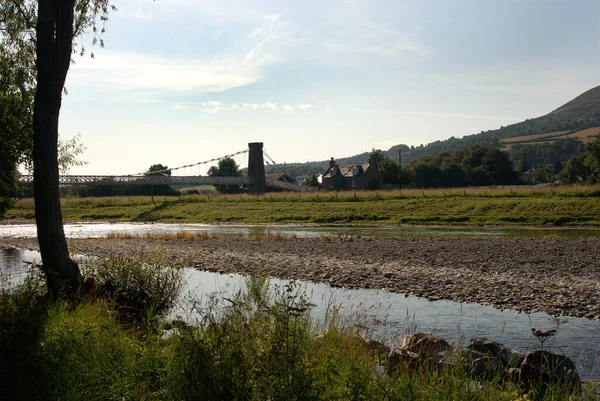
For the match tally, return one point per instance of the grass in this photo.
(554, 206)
(261, 345)
(584, 135)
(530, 138)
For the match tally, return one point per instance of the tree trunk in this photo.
(54, 35)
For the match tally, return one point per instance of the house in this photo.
(280, 177)
(352, 176)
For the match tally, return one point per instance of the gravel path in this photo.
(560, 276)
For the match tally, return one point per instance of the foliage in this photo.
(388, 167)
(16, 96)
(261, 345)
(227, 167)
(158, 169)
(312, 181)
(476, 166)
(592, 159)
(137, 284)
(68, 154)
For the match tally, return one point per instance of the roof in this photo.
(347, 170)
(280, 177)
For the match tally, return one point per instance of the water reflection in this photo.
(99, 230)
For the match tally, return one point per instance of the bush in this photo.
(137, 285)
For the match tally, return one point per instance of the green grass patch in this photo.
(573, 206)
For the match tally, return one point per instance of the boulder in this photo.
(486, 366)
(426, 345)
(509, 357)
(543, 367)
(378, 349)
(401, 358)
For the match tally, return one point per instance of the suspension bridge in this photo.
(256, 181)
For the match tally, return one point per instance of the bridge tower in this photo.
(256, 168)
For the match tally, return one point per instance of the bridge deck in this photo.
(81, 180)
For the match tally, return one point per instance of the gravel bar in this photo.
(560, 276)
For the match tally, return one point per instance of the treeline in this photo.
(474, 166)
(583, 168)
(486, 166)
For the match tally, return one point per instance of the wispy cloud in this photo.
(431, 114)
(135, 72)
(215, 106)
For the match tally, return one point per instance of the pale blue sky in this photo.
(182, 81)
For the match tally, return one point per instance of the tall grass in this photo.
(262, 345)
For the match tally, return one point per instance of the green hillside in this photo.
(551, 138)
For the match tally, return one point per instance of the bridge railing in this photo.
(79, 180)
(106, 180)
(288, 186)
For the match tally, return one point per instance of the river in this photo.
(99, 230)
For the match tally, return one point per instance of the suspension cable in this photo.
(268, 157)
(194, 164)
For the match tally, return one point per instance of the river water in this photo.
(387, 315)
(99, 230)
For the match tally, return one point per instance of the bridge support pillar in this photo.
(256, 168)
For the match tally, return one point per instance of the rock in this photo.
(514, 375)
(426, 345)
(401, 358)
(378, 349)
(543, 367)
(486, 366)
(509, 357)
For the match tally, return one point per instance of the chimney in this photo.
(331, 163)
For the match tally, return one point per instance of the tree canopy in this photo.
(227, 167)
(158, 169)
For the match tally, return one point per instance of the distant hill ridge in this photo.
(576, 120)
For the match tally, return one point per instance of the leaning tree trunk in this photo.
(54, 35)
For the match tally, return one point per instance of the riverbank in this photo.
(560, 276)
(562, 206)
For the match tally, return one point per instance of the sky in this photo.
(183, 81)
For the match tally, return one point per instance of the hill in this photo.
(550, 138)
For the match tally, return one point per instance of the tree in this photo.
(574, 170)
(158, 169)
(45, 30)
(312, 181)
(227, 167)
(523, 164)
(16, 97)
(592, 159)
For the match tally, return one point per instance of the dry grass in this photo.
(165, 236)
(585, 135)
(527, 138)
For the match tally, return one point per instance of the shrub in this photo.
(137, 285)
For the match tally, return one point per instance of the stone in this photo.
(509, 357)
(544, 367)
(486, 366)
(401, 358)
(378, 349)
(426, 345)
